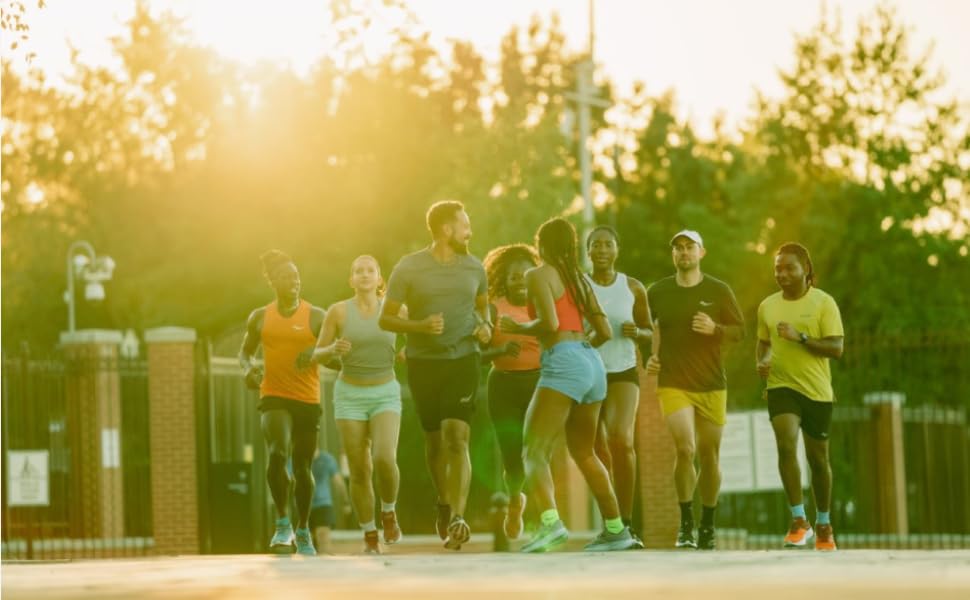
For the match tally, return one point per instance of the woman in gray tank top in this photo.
(367, 398)
(624, 300)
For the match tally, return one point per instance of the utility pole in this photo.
(585, 98)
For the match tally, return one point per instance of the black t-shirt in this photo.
(689, 360)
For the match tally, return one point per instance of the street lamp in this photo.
(83, 262)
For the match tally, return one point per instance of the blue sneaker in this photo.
(547, 538)
(304, 543)
(283, 538)
(610, 542)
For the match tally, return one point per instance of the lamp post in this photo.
(83, 262)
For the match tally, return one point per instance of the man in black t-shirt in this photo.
(695, 314)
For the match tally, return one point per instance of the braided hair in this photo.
(272, 260)
(801, 253)
(498, 261)
(556, 239)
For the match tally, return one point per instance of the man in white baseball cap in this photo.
(694, 313)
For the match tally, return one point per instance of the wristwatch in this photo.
(802, 338)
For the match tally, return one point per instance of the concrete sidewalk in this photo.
(776, 575)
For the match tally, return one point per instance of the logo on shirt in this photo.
(465, 400)
(298, 328)
(706, 303)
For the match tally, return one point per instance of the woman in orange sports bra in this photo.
(571, 387)
(515, 368)
(289, 394)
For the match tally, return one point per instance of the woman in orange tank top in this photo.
(571, 387)
(289, 390)
(515, 368)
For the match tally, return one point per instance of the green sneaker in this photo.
(304, 543)
(547, 538)
(609, 542)
(283, 538)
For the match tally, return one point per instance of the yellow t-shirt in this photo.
(792, 365)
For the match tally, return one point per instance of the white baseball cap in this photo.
(689, 234)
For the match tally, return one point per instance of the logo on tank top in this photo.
(705, 303)
(298, 328)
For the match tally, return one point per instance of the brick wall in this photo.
(171, 385)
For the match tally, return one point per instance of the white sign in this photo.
(28, 478)
(749, 455)
(110, 448)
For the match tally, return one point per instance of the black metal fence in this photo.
(87, 418)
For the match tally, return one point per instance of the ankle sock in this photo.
(798, 510)
(614, 525)
(687, 513)
(369, 526)
(707, 516)
(388, 506)
(550, 516)
(823, 518)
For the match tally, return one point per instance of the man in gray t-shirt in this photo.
(445, 292)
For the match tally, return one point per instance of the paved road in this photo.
(776, 575)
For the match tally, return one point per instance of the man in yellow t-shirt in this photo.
(799, 330)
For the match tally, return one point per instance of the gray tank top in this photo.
(371, 355)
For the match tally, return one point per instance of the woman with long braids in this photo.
(571, 388)
(515, 368)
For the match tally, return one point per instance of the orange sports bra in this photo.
(570, 318)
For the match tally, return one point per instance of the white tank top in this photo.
(620, 353)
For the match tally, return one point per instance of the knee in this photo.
(621, 443)
(818, 461)
(709, 455)
(384, 461)
(787, 452)
(685, 452)
(276, 456)
(455, 443)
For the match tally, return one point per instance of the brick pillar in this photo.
(93, 390)
(887, 420)
(655, 458)
(172, 431)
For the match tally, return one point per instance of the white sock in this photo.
(388, 506)
(369, 526)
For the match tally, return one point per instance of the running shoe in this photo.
(304, 543)
(458, 533)
(442, 520)
(638, 545)
(824, 538)
(547, 538)
(799, 534)
(372, 543)
(392, 531)
(283, 538)
(706, 538)
(611, 542)
(513, 519)
(685, 537)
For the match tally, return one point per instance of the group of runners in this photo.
(563, 347)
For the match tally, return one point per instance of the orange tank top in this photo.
(283, 339)
(528, 358)
(570, 318)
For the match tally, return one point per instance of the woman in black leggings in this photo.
(515, 368)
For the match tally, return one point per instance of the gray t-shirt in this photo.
(428, 287)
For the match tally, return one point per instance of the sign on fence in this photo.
(749, 456)
(28, 478)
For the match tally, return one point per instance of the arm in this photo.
(639, 329)
(730, 324)
(492, 352)
(391, 320)
(762, 355)
(602, 332)
(252, 372)
(483, 330)
(329, 347)
(339, 488)
(827, 347)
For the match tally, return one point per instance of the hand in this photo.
(509, 325)
(653, 365)
(254, 377)
(483, 333)
(341, 348)
(433, 324)
(305, 359)
(764, 367)
(512, 349)
(703, 324)
(401, 356)
(788, 332)
(630, 330)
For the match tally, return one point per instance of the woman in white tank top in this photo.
(624, 300)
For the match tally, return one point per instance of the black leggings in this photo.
(509, 393)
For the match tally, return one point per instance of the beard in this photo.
(459, 246)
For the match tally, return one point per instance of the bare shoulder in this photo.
(636, 286)
(255, 319)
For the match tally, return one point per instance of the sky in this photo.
(713, 53)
